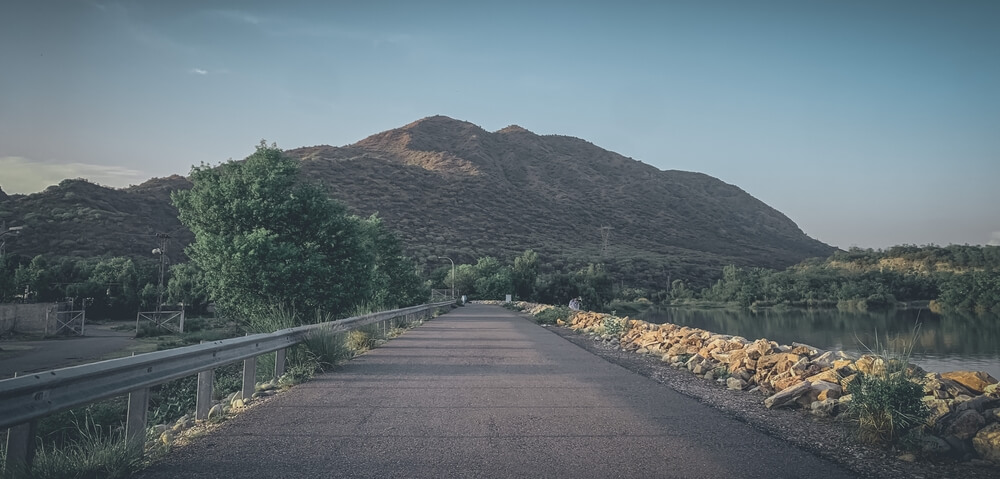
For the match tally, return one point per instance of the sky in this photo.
(869, 124)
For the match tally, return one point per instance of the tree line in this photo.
(961, 278)
(265, 238)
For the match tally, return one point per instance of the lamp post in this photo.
(4, 231)
(452, 275)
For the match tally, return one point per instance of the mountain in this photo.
(451, 188)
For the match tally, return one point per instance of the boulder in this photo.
(787, 396)
(215, 412)
(870, 364)
(735, 383)
(830, 376)
(937, 407)
(825, 390)
(932, 445)
(978, 404)
(954, 388)
(975, 381)
(824, 408)
(963, 425)
(987, 443)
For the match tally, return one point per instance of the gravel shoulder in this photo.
(829, 438)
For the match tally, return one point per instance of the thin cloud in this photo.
(237, 16)
(198, 71)
(24, 176)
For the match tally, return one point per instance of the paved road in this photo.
(482, 392)
(41, 355)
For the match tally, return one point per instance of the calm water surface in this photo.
(944, 343)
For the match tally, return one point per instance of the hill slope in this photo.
(451, 188)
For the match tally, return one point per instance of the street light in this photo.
(4, 231)
(452, 275)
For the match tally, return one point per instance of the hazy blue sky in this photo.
(868, 123)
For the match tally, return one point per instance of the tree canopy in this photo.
(263, 238)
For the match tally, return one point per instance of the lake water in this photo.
(944, 343)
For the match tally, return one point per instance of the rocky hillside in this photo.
(451, 188)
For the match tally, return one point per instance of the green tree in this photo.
(493, 279)
(393, 276)
(263, 238)
(187, 285)
(524, 274)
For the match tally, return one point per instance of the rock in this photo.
(978, 404)
(954, 388)
(736, 383)
(784, 382)
(992, 390)
(780, 362)
(824, 361)
(215, 412)
(987, 443)
(787, 396)
(823, 408)
(908, 457)
(742, 373)
(963, 425)
(830, 376)
(825, 390)
(870, 364)
(238, 403)
(975, 381)
(992, 415)
(933, 445)
(938, 408)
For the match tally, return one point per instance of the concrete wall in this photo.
(32, 318)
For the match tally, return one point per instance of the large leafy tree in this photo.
(264, 239)
(394, 278)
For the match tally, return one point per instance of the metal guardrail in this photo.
(26, 399)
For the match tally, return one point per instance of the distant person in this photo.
(575, 303)
(463, 299)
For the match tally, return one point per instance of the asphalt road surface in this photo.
(41, 355)
(483, 392)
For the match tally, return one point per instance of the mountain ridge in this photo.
(451, 188)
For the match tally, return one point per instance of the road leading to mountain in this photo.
(483, 392)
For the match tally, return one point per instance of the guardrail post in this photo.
(135, 420)
(279, 363)
(249, 376)
(203, 403)
(20, 445)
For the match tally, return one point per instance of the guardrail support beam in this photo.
(135, 420)
(279, 363)
(249, 376)
(20, 445)
(203, 403)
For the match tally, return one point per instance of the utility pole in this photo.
(162, 251)
(605, 240)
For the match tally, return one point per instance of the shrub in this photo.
(97, 452)
(615, 326)
(359, 341)
(551, 315)
(886, 403)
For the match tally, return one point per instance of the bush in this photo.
(551, 315)
(97, 452)
(615, 326)
(359, 341)
(886, 403)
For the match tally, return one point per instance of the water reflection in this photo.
(945, 342)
